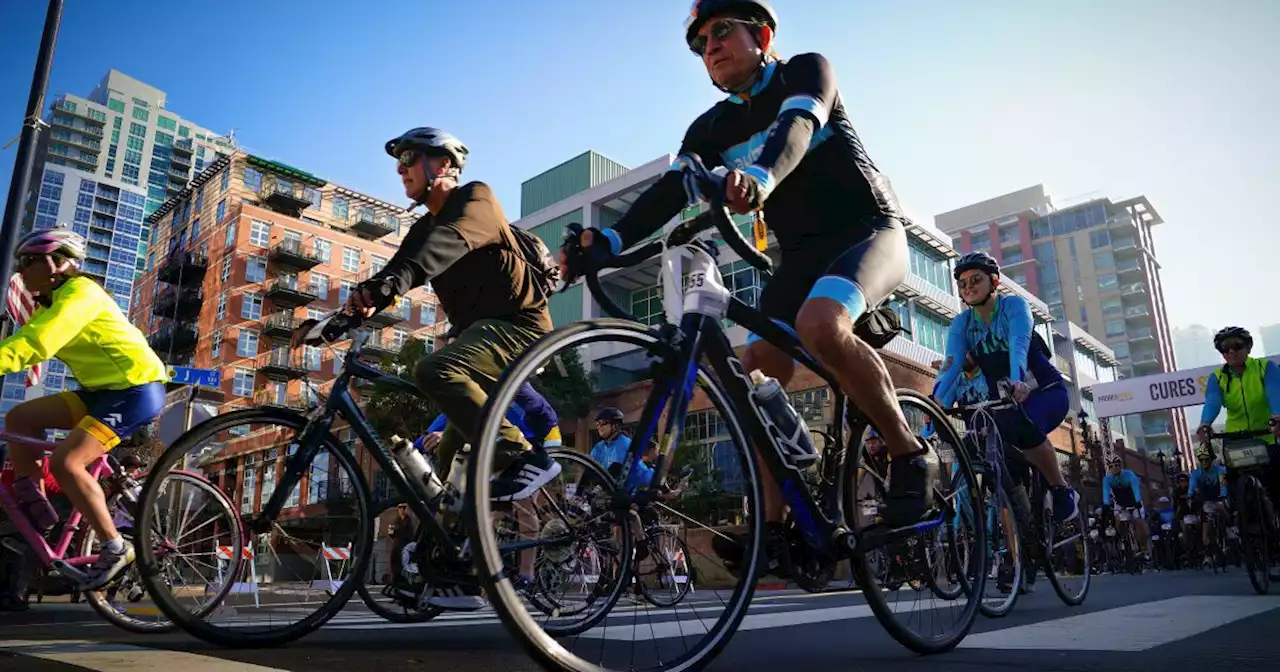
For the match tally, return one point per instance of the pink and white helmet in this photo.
(60, 242)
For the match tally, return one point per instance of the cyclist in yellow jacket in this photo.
(123, 389)
(1250, 390)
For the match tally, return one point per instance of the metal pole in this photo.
(25, 161)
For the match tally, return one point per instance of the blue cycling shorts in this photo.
(1041, 413)
(112, 415)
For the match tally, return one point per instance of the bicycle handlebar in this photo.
(1242, 434)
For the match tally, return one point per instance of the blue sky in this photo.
(957, 102)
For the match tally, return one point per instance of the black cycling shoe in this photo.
(731, 551)
(1004, 577)
(1065, 503)
(912, 479)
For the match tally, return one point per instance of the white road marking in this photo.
(106, 657)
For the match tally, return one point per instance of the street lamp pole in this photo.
(24, 163)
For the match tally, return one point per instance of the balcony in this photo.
(177, 173)
(67, 121)
(1156, 430)
(1141, 335)
(293, 254)
(179, 303)
(78, 157)
(1128, 266)
(184, 268)
(174, 340)
(267, 397)
(183, 148)
(78, 140)
(281, 363)
(283, 197)
(1133, 288)
(1139, 313)
(280, 325)
(1125, 244)
(174, 188)
(1062, 364)
(181, 160)
(377, 346)
(1121, 223)
(286, 292)
(372, 226)
(394, 314)
(82, 111)
(1145, 359)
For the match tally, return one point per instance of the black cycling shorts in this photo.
(859, 269)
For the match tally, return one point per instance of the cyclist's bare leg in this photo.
(31, 419)
(826, 330)
(1044, 459)
(70, 458)
(777, 364)
(1143, 534)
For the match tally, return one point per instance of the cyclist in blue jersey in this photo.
(611, 450)
(1208, 485)
(530, 413)
(997, 331)
(788, 149)
(1121, 487)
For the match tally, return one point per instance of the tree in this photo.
(567, 385)
(394, 412)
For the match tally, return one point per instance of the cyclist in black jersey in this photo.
(787, 146)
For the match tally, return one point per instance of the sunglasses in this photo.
(409, 157)
(1233, 346)
(29, 259)
(719, 31)
(974, 282)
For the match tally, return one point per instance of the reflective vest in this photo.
(1245, 397)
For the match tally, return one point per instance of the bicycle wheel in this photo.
(1005, 557)
(667, 563)
(387, 603)
(125, 604)
(1254, 533)
(640, 355)
(962, 611)
(279, 591)
(1061, 545)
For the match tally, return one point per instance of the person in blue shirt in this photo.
(1208, 486)
(997, 331)
(1121, 488)
(530, 412)
(612, 450)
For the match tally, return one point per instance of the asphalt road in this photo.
(1186, 621)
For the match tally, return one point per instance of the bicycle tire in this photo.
(195, 624)
(541, 646)
(387, 613)
(1043, 521)
(97, 599)
(883, 611)
(1258, 560)
(684, 587)
(1003, 501)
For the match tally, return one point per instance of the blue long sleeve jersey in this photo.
(1007, 348)
(1126, 478)
(1213, 394)
(1211, 483)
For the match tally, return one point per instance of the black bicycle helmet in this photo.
(702, 11)
(432, 142)
(1233, 332)
(976, 260)
(610, 414)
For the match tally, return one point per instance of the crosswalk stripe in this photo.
(107, 657)
(1136, 627)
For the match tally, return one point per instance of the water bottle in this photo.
(798, 443)
(417, 468)
(457, 480)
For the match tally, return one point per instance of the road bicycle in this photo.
(1247, 460)
(119, 603)
(677, 369)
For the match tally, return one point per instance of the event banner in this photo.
(1155, 392)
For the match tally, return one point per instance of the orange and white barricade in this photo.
(239, 587)
(327, 556)
(677, 568)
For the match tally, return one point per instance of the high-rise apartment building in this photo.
(1093, 263)
(239, 258)
(104, 163)
(594, 191)
(1193, 346)
(1268, 341)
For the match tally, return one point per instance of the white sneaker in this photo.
(457, 598)
(532, 470)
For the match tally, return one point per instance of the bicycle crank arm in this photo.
(877, 536)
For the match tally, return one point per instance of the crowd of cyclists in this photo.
(786, 148)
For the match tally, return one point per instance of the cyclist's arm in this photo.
(74, 307)
(1222, 480)
(1020, 326)
(810, 90)
(1191, 483)
(1212, 401)
(438, 424)
(433, 244)
(1137, 491)
(1271, 383)
(1106, 490)
(667, 197)
(952, 366)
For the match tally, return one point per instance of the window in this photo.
(344, 289)
(320, 285)
(226, 178)
(1009, 235)
(222, 307)
(116, 105)
(1111, 307)
(242, 383)
(312, 195)
(215, 349)
(376, 263)
(185, 132)
(318, 479)
(398, 337)
(269, 475)
(311, 358)
(247, 344)
(428, 314)
(338, 357)
(132, 158)
(929, 265)
(1115, 327)
(141, 114)
(136, 145)
(1099, 238)
(1121, 349)
(195, 228)
(314, 313)
(259, 233)
(1104, 261)
(226, 269)
(137, 130)
(231, 235)
(248, 491)
(743, 281)
(324, 249)
(166, 123)
(981, 242)
(340, 206)
(255, 269)
(930, 330)
(1108, 282)
(646, 305)
(252, 178)
(251, 306)
(222, 212)
(350, 259)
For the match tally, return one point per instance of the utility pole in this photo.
(25, 161)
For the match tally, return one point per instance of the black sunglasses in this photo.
(719, 30)
(26, 260)
(971, 282)
(1232, 347)
(408, 157)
